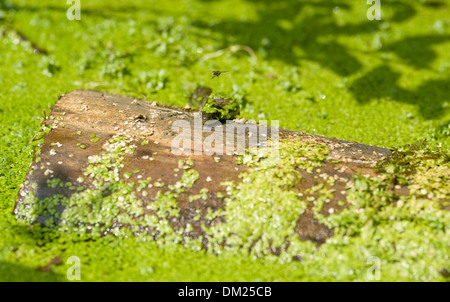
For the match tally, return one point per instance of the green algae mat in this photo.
(75, 188)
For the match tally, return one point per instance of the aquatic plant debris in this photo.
(314, 195)
(220, 108)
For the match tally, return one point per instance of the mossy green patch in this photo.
(221, 109)
(262, 211)
(409, 234)
(111, 207)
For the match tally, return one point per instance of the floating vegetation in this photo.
(260, 213)
(262, 210)
(220, 108)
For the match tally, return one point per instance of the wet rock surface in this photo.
(82, 122)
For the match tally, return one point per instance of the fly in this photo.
(217, 73)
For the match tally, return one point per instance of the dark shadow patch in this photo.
(382, 82)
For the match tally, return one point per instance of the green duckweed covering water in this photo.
(322, 67)
(411, 232)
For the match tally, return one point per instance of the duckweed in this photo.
(111, 207)
(410, 234)
(112, 204)
(221, 109)
(189, 177)
(359, 81)
(262, 211)
(143, 184)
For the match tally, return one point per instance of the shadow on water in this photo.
(277, 28)
(382, 82)
(315, 37)
(297, 31)
(417, 51)
(279, 23)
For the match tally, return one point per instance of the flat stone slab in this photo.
(84, 125)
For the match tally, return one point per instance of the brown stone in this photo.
(105, 115)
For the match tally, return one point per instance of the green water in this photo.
(316, 66)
